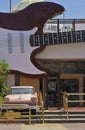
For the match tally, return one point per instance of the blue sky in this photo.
(74, 8)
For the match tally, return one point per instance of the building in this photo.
(64, 63)
(66, 59)
(22, 4)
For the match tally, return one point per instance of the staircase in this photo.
(59, 116)
(75, 115)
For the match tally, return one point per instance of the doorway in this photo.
(54, 97)
(71, 83)
(51, 93)
(71, 86)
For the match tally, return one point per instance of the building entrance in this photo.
(70, 84)
(52, 93)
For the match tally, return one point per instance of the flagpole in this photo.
(10, 6)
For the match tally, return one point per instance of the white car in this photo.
(22, 95)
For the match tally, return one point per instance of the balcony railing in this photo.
(57, 25)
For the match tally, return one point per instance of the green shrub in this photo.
(4, 70)
(1, 100)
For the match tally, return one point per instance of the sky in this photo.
(74, 8)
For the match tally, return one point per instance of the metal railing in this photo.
(66, 100)
(11, 115)
(59, 25)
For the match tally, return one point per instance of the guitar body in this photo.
(16, 50)
(15, 32)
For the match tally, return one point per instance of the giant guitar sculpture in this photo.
(15, 36)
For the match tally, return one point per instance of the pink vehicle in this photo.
(22, 95)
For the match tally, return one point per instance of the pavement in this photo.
(57, 126)
(74, 126)
(43, 127)
(32, 127)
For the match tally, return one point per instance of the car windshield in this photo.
(22, 91)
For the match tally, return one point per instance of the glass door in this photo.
(51, 93)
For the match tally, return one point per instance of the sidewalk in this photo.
(32, 127)
(57, 126)
(43, 127)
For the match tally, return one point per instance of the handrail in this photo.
(66, 100)
(68, 94)
(10, 115)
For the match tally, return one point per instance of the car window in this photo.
(22, 91)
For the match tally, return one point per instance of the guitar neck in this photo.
(57, 38)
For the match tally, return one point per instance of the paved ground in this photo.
(44, 127)
(10, 126)
(74, 126)
(61, 126)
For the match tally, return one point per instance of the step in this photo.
(64, 112)
(52, 116)
(56, 116)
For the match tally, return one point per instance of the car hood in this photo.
(20, 96)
